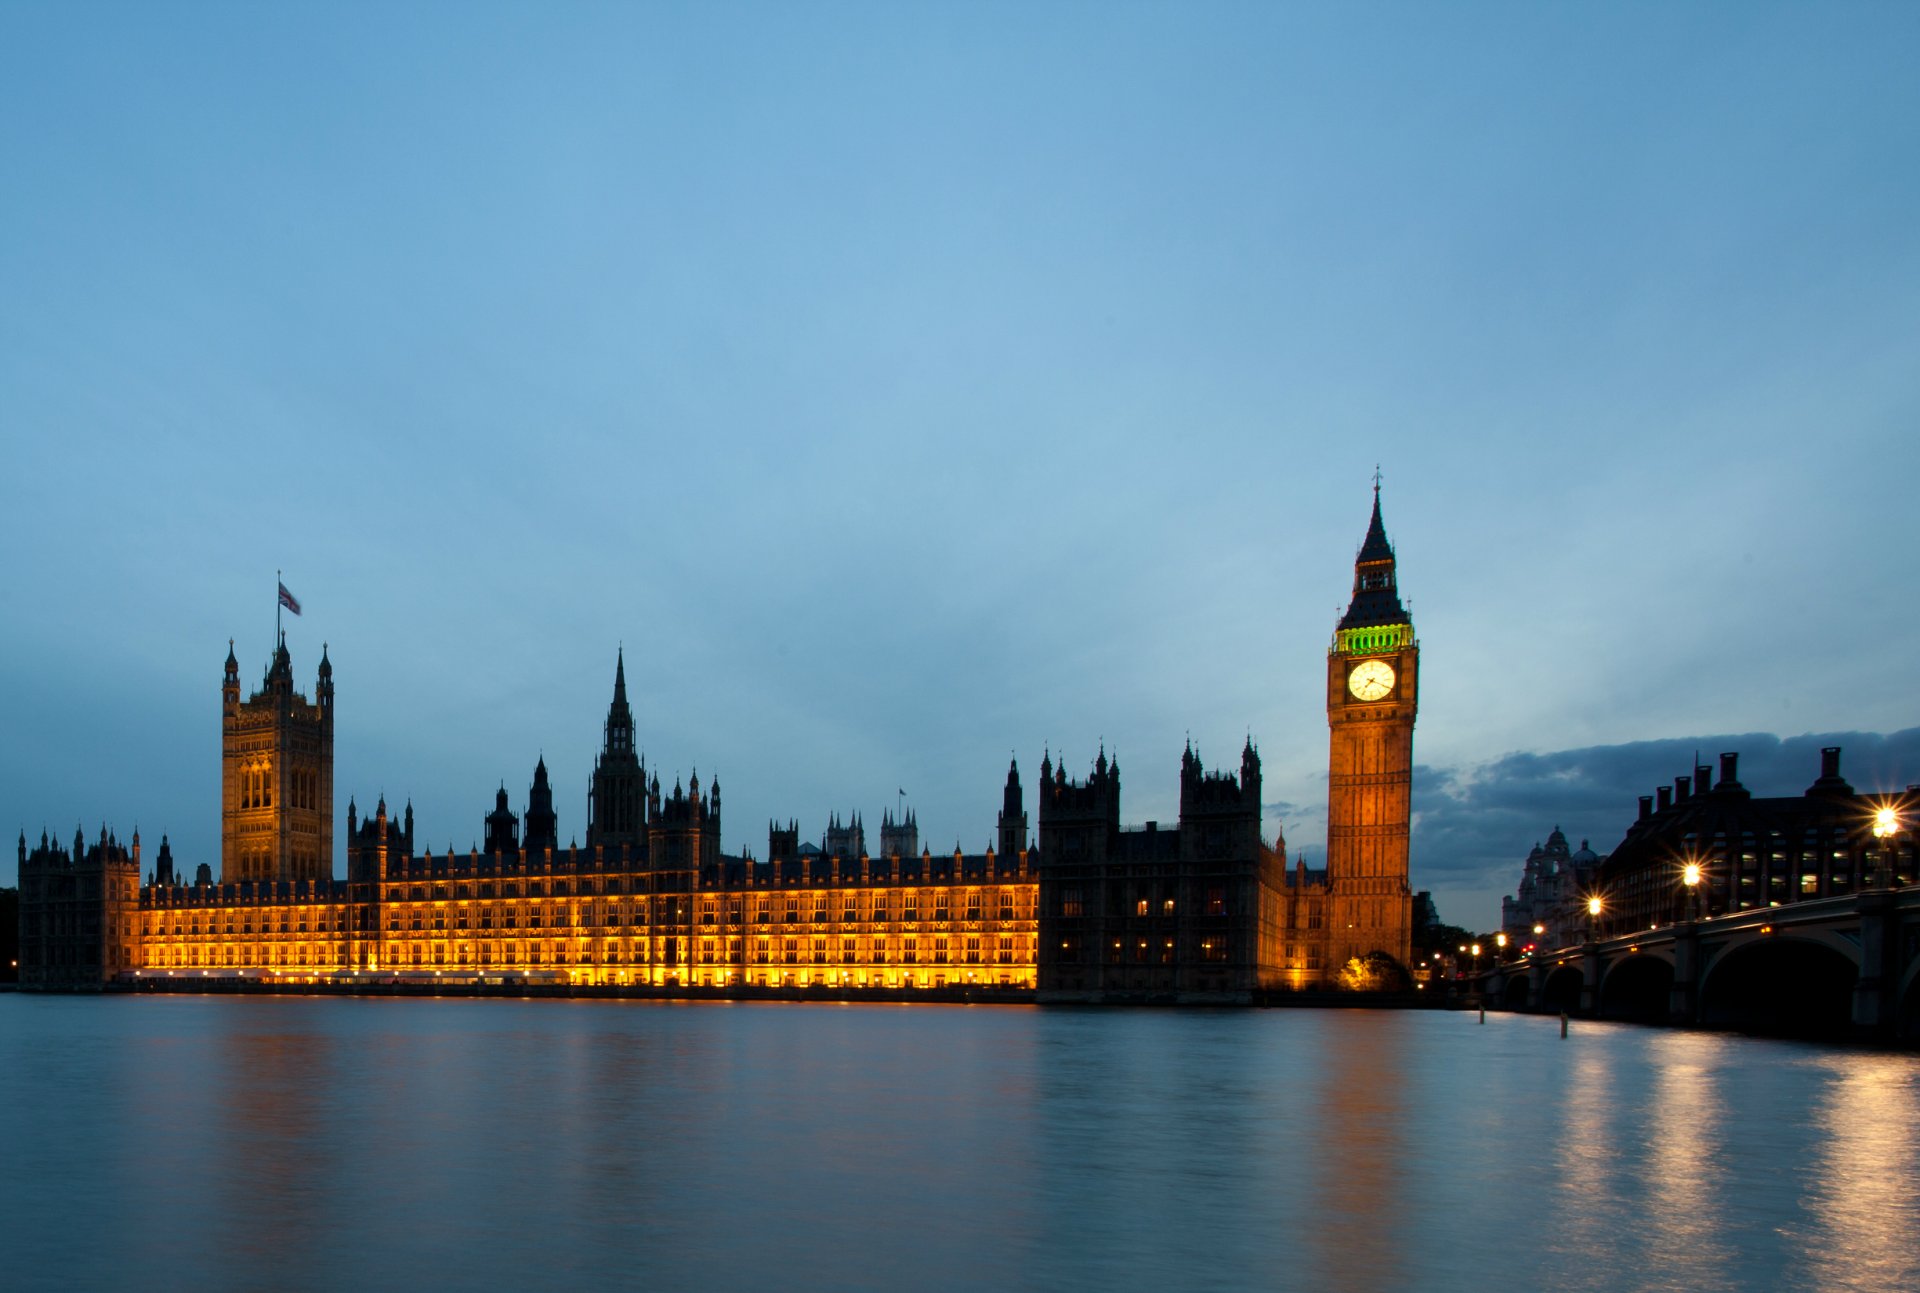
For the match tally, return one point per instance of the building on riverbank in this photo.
(1204, 911)
(1750, 852)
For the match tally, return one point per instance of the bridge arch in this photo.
(1638, 987)
(1781, 984)
(1562, 988)
(1515, 995)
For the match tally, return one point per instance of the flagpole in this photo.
(276, 609)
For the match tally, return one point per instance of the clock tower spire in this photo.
(1373, 677)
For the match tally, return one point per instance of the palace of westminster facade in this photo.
(1090, 911)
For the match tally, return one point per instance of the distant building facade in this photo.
(1203, 911)
(1549, 909)
(1752, 852)
(1187, 914)
(79, 924)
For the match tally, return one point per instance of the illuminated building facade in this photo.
(1361, 907)
(650, 900)
(1204, 911)
(276, 776)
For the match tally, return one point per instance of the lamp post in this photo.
(1886, 824)
(1500, 941)
(1690, 877)
(1594, 907)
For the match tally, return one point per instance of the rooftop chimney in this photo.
(1681, 787)
(1646, 807)
(1666, 797)
(1830, 782)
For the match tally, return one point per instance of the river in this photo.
(329, 1143)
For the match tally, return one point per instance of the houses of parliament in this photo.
(1084, 909)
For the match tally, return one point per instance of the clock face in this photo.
(1370, 679)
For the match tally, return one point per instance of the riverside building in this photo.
(1204, 911)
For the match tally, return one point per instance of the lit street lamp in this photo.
(1690, 876)
(1594, 907)
(1886, 824)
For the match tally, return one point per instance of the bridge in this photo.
(1844, 966)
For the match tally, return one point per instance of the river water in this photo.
(342, 1143)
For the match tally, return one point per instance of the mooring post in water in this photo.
(1483, 1014)
(1563, 1023)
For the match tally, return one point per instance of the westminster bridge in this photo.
(1846, 966)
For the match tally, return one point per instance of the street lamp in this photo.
(1886, 824)
(1500, 941)
(1690, 877)
(1476, 958)
(1594, 907)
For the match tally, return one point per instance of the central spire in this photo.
(1376, 596)
(619, 731)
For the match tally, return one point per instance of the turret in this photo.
(230, 685)
(543, 826)
(503, 828)
(1013, 814)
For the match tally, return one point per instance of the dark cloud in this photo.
(1473, 826)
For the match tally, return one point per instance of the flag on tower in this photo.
(288, 600)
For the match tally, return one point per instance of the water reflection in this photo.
(335, 1143)
(1863, 1197)
(1587, 1223)
(1360, 1163)
(1685, 1218)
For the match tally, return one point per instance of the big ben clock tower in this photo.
(1373, 688)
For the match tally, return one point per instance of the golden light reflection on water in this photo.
(1685, 1216)
(1584, 1229)
(1866, 1193)
(1362, 1110)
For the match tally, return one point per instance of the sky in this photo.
(908, 388)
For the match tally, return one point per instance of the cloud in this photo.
(1473, 826)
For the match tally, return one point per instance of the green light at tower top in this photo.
(1371, 640)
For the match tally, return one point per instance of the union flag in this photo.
(288, 600)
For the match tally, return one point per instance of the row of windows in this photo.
(1073, 903)
(256, 787)
(1005, 950)
(1138, 951)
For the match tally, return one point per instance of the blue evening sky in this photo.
(909, 386)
